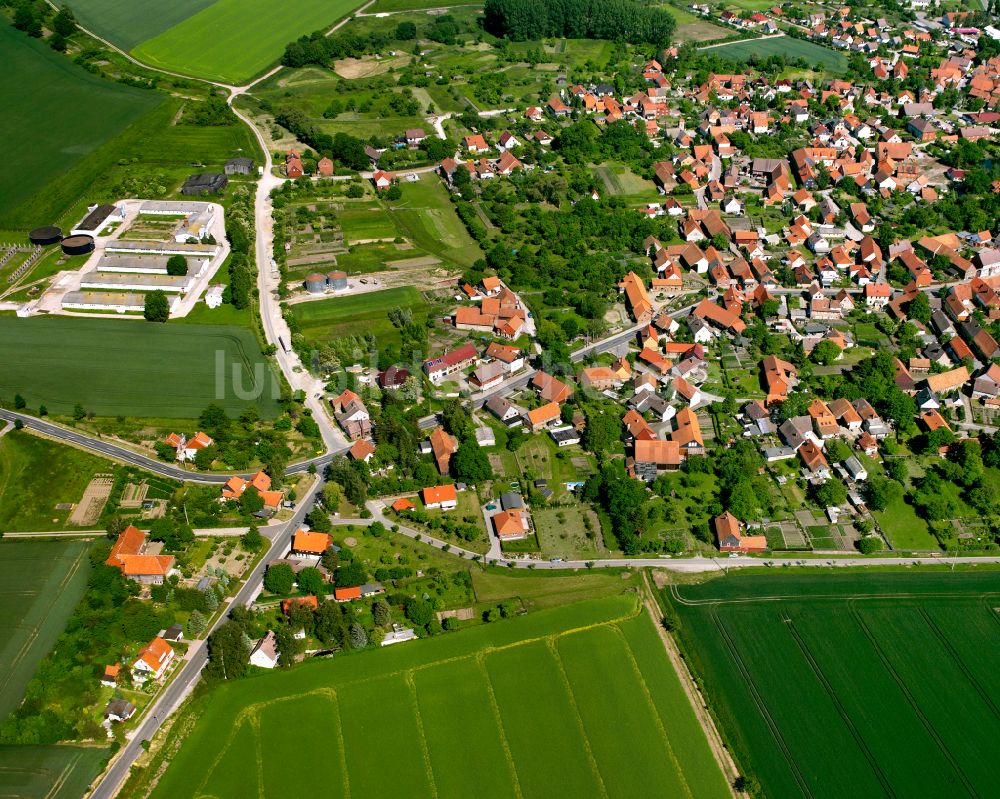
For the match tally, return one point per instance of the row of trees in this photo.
(617, 20)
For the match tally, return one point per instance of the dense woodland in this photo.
(617, 20)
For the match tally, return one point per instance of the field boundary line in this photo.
(218, 758)
(258, 751)
(697, 701)
(341, 744)
(761, 705)
(59, 781)
(655, 711)
(841, 710)
(914, 705)
(554, 651)
(962, 666)
(424, 751)
(813, 597)
(508, 755)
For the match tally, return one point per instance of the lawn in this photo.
(133, 368)
(37, 474)
(787, 46)
(455, 716)
(904, 528)
(366, 222)
(42, 582)
(53, 772)
(562, 532)
(329, 319)
(55, 113)
(427, 217)
(231, 41)
(620, 181)
(881, 659)
(128, 24)
(544, 591)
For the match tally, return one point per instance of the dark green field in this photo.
(133, 368)
(149, 159)
(853, 684)
(128, 24)
(52, 772)
(54, 114)
(40, 584)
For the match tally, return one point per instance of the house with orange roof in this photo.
(814, 460)
(188, 448)
(347, 594)
(636, 296)
(443, 446)
(511, 525)
(598, 378)
(636, 426)
(651, 456)
(541, 417)
(310, 602)
(688, 432)
(824, 422)
(310, 544)
(153, 660)
(402, 504)
(444, 497)
(731, 539)
(361, 451)
(110, 678)
(550, 388)
(129, 555)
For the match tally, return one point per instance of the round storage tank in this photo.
(78, 245)
(316, 283)
(337, 280)
(50, 234)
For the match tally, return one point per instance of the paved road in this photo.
(121, 453)
(190, 670)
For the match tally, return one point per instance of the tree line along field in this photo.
(234, 40)
(852, 684)
(816, 54)
(130, 368)
(57, 113)
(577, 700)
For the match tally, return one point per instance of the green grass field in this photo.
(37, 474)
(851, 683)
(153, 151)
(426, 216)
(904, 528)
(365, 222)
(233, 40)
(326, 320)
(128, 24)
(133, 368)
(518, 708)
(41, 584)
(815, 54)
(53, 772)
(56, 113)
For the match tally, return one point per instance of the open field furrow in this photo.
(914, 704)
(839, 705)
(761, 705)
(984, 694)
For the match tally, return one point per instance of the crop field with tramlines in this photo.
(574, 701)
(830, 685)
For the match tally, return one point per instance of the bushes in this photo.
(618, 20)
